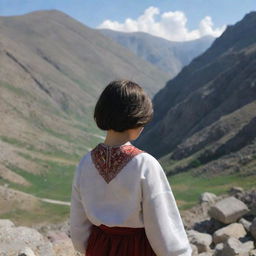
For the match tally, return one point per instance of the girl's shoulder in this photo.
(145, 155)
(84, 159)
(150, 166)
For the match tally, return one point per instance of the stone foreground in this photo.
(227, 225)
(220, 226)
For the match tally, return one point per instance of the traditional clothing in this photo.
(122, 205)
(115, 241)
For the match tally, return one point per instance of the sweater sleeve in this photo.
(163, 224)
(79, 223)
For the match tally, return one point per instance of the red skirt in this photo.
(118, 241)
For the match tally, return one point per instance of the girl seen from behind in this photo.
(121, 202)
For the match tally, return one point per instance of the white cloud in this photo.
(170, 25)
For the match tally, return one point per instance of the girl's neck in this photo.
(114, 138)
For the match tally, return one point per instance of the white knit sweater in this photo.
(139, 196)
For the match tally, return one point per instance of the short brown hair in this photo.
(123, 105)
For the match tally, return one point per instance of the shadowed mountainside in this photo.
(205, 116)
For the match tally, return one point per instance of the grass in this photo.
(16, 142)
(26, 94)
(54, 182)
(54, 151)
(188, 188)
(44, 213)
(16, 90)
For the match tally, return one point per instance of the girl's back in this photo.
(122, 203)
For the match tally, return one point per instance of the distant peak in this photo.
(248, 18)
(250, 14)
(47, 12)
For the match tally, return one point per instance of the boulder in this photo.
(201, 240)
(253, 228)
(55, 236)
(233, 230)
(218, 249)
(64, 248)
(233, 247)
(15, 239)
(248, 246)
(62, 244)
(235, 190)
(252, 253)
(208, 197)
(228, 210)
(26, 252)
(249, 198)
(194, 250)
(206, 254)
(247, 224)
(4, 223)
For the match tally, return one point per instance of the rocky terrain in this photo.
(223, 225)
(205, 117)
(24, 241)
(168, 56)
(218, 226)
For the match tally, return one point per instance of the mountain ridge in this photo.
(219, 84)
(167, 55)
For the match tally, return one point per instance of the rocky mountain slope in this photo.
(169, 56)
(52, 71)
(206, 116)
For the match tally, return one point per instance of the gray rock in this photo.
(228, 210)
(252, 253)
(218, 249)
(249, 198)
(4, 223)
(194, 250)
(55, 236)
(15, 239)
(235, 190)
(206, 254)
(26, 252)
(233, 247)
(201, 240)
(247, 224)
(208, 197)
(248, 246)
(235, 230)
(253, 228)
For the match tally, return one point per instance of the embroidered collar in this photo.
(109, 160)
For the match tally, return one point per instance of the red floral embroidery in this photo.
(109, 161)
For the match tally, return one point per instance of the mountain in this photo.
(205, 118)
(167, 55)
(52, 71)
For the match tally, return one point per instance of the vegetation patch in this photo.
(45, 213)
(16, 90)
(54, 151)
(54, 182)
(18, 143)
(188, 188)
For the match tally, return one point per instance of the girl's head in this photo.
(123, 105)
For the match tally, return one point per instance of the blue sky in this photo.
(95, 12)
